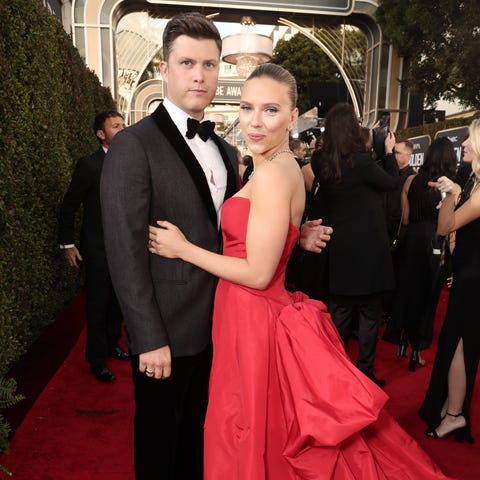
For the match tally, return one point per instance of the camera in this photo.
(380, 134)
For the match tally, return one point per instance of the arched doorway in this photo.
(376, 87)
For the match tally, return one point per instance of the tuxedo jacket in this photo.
(151, 174)
(84, 189)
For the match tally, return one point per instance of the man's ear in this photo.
(164, 70)
(100, 134)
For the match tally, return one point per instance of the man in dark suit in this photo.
(157, 169)
(103, 313)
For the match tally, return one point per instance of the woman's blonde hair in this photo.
(474, 132)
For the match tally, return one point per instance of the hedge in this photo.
(48, 100)
(432, 128)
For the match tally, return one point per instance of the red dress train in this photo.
(286, 403)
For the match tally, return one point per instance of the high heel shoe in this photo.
(412, 365)
(416, 361)
(461, 433)
(402, 348)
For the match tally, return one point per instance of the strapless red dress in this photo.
(286, 403)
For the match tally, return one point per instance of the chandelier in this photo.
(246, 50)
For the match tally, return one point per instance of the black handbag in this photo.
(437, 250)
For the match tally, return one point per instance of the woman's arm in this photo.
(384, 179)
(450, 219)
(270, 192)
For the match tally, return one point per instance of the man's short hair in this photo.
(294, 143)
(408, 143)
(100, 118)
(193, 25)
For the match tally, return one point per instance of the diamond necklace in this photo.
(278, 152)
(272, 156)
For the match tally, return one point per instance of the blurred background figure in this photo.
(354, 269)
(393, 205)
(308, 175)
(246, 169)
(241, 166)
(393, 210)
(420, 274)
(299, 149)
(103, 312)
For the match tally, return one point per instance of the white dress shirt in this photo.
(207, 155)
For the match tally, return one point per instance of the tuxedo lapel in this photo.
(175, 138)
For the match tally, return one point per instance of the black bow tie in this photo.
(204, 129)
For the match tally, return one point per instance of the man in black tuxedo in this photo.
(160, 168)
(103, 313)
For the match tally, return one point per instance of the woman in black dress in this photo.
(419, 275)
(354, 269)
(446, 407)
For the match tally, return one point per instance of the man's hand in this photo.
(314, 236)
(156, 363)
(73, 256)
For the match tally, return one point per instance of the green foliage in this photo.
(8, 397)
(48, 99)
(441, 41)
(307, 63)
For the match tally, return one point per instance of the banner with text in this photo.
(456, 136)
(420, 146)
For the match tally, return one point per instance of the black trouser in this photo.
(104, 318)
(169, 419)
(369, 311)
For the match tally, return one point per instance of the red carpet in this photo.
(80, 429)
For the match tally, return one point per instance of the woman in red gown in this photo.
(286, 403)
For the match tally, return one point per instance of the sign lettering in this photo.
(228, 91)
(420, 145)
